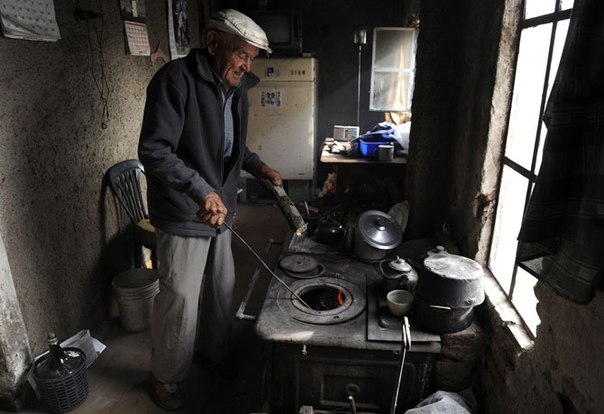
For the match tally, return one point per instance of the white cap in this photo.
(234, 22)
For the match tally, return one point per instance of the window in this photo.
(543, 33)
(392, 69)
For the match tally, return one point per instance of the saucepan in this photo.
(375, 235)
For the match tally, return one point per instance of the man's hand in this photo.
(272, 175)
(212, 210)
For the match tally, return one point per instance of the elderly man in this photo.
(193, 147)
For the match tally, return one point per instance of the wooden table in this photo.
(349, 168)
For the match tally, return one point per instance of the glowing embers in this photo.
(324, 298)
(330, 300)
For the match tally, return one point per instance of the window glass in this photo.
(535, 8)
(528, 94)
(524, 299)
(392, 69)
(560, 39)
(566, 4)
(512, 193)
(388, 98)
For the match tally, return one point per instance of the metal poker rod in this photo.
(266, 266)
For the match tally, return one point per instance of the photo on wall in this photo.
(178, 28)
(133, 10)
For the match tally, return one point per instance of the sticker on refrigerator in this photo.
(271, 99)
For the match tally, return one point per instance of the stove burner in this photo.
(331, 300)
(301, 266)
(323, 298)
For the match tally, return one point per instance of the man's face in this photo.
(232, 57)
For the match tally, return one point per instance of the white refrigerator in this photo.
(282, 116)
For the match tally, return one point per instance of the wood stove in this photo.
(345, 346)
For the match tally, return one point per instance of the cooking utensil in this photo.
(399, 302)
(375, 235)
(398, 274)
(266, 266)
(451, 280)
(448, 288)
(329, 231)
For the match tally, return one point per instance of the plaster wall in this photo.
(55, 145)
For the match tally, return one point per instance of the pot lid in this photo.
(453, 266)
(379, 230)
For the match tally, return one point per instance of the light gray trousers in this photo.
(183, 264)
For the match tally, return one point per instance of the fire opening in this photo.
(323, 298)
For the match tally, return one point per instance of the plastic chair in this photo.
(124, 180)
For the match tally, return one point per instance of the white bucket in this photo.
(135, 290)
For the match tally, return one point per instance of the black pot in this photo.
(329, 231)
(450, 280)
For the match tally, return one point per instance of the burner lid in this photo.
(298, 263)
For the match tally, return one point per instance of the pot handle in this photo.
(441, 307)
(379, 224)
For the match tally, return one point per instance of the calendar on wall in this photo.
(134, 16)
(138, 38)
(29, 20)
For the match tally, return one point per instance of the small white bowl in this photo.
(399, 302)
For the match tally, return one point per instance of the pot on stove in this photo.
(329, 231)
(376, 234)
(448, 288)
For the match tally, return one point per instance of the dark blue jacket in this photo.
(181, 144)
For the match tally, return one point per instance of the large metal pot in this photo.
(376, 234)
(448, 288)
(451, 280)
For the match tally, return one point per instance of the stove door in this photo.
(325, 377)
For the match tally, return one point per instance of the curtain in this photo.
(561, 240)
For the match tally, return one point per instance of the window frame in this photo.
(409, 47)
(529, 174)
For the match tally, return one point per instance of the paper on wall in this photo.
(138, 38)
(29, 20)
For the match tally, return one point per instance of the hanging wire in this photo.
(100, 80)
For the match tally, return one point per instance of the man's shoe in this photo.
(167, 396)
(227, 369)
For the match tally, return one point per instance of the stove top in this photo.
(358, 320)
